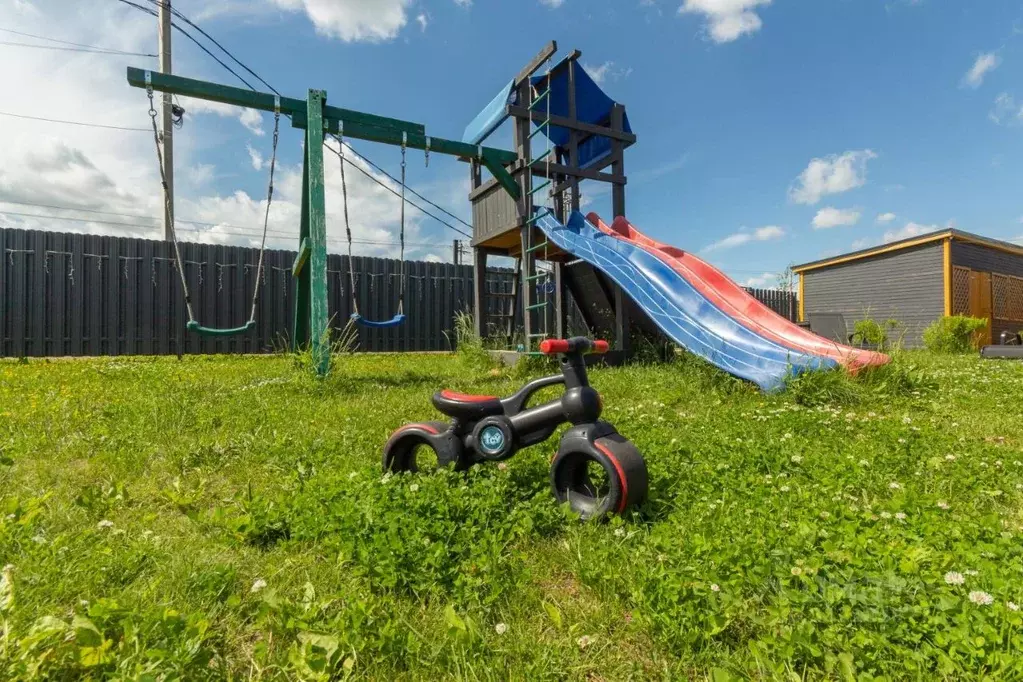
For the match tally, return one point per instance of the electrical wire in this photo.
(66, 42)
(72, 123)
(77, 49)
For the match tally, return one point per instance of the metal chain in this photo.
(167, 201)
(266, 217)
(344, 203)
(401, 238)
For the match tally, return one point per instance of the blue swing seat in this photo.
(383, 324)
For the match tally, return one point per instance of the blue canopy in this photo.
(592, 106)
(492, 116)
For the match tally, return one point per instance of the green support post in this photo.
(312, 318)
(319, 314)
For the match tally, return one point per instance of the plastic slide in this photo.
(677, 307)
(732, 299)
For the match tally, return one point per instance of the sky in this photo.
(770, 132)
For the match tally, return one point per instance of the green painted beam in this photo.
(497, 169)
(303, 255)
(319, 312)
(226, 94)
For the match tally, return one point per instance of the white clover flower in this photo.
(907, 420)
(825, 514)
(787, 436)
(258, 585)
(950, 458)
(105, 524)
(864, 463)
(885, 515)
(1012, 606)
(619, 532)
(714, 587)
(796, 570)
(784, 488)
(982, 598)
(414, 488)
(895, 485)
(900, 516)
(584, 641)
(942, 504)
(954, 578)
(902, 441)
(502, 466)
(796, 459)
(501, 628)
(998, 462)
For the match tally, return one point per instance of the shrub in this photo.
(954, 334)
(873, 333)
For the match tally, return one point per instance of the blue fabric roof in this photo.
(592, 106)
(492, 116)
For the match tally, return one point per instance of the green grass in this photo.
(217, 518)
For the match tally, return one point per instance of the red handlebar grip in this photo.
(600, 346)
(552, 346)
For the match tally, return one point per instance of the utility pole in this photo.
(164, 18)
(456, 253)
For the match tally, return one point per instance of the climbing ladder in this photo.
(537, 280)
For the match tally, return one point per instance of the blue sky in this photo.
(770, 132)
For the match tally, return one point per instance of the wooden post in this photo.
(622, 323)
(573, 136)
(312, 315)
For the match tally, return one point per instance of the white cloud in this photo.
(727, 20)
(553, 4)
(831, 175)
(835, 217)
(1007, 111)
(464, 3)
(885, 217)
(115, 171)
(607, 72)
(250, 118)
(371, 21)
(984, 64)
(910, 229)
(761, 234)
(255, 157)
(424, 20)
(767, 279)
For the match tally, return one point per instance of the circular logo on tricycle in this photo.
(492, 440)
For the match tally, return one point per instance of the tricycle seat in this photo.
(465, 406)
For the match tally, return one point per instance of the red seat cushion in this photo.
(466, 398)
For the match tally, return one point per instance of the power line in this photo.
(375, 166)
(117, 53)
(73, 123)
(109, 50)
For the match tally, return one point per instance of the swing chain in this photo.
(401, 235)
(344, 203)
(168, 211)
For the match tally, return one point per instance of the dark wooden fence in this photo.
(785, 303)
(74, 294)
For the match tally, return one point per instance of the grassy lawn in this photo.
(226, 518)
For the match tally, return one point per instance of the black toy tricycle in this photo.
(596, 470)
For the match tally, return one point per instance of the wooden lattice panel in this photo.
(960, 291)
(1007, 293)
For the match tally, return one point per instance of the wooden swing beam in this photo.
(312, 321)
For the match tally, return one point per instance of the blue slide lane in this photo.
(675, 306)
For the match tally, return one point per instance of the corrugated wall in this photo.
(984, 259)
(78, 295)
(72, 294)
(904, 285)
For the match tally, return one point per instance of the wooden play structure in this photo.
(565, 130)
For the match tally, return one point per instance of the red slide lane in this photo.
(731, 298)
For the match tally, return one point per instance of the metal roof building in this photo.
(918, 280)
